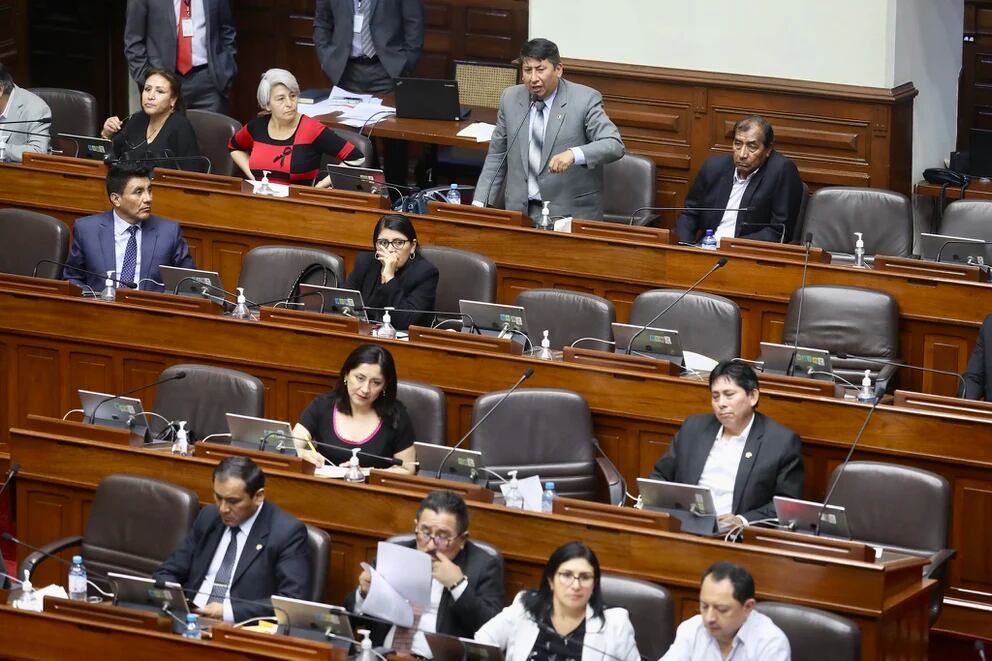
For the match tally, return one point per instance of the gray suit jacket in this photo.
(772, 463)
(150, 39)
(24, 106)
(576, 119)
(397, 34)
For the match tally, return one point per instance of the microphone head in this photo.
(720, 263)
(844, 355)
(180, 375)
(7, 537)
(45, 120)
(529, 372)
(15, 468)
(809, 238)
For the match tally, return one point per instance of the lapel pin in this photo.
(258, 547)
(748, 455)
(558, 117)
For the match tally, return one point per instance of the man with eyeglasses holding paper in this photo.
(467, 585)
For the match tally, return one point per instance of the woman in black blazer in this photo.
(394, 275)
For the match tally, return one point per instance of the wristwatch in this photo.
(454, 587)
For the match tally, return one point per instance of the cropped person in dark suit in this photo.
(755, 177)
(394, 276)
(128, 240)
(203, 57)
(240, 549)
(368, 56)
(745, 458)
(978, 374)
(467, 585)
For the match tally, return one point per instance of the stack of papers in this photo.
(353, 109)
(481, 131)
(400, 581)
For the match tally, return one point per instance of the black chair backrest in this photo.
(629, 184)
(814, 634)
(463, 275)
(970, 219)
(73, 111)
(885, 218)
(205, 395)
(319, 548)
(427, 408)
(269, 273)
(707, 323)
(27, 237)
(213, 133)
(567, 316)
(362, 142)
(651, 609)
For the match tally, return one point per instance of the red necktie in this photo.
(184, 42)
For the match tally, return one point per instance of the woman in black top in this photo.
(361, 412)
(159, 133)
(394, 275)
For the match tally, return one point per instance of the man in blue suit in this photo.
(241, 550)
(128, 240)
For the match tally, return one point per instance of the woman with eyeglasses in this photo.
(395, 275)
(361, 412)
(564, 619)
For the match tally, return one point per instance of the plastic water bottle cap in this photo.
(191, 618)
(77, 559)
(454, 186)
(549, 486)
(709, 232)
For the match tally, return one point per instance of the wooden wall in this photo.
(974, 93)
(14, 38)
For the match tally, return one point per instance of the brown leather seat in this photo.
(568, 316)
(319, 549)
(463, 275)
(546, 432)
(428, 410)
(814, 634)
(133, 526)
(885, 218)
(366, 145)
(971, 219)
(272, 273)
(213, 133)
(651, 609)
(27, 237)
(707, 324)
(205, 395)
(73, 111)
(629, 184)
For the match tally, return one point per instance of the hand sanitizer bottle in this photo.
(866, 395)
(354, 470)
(544, 353)
(108, 293)
(514, 500)
(181, 444)
(386, 330)
(263, 186)
(241, 310)
(545, 222)
(859, 251)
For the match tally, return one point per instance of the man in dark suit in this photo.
(755, 177)
(240, 550)
(128, 240)
(467, 585)
(978, 374)
(364, 45)
(744, 458)
(202, 56)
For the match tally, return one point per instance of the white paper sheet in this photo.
(383, 601)
(531, 488)
(407, 570)
(481, 131)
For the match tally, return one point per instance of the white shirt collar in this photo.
(550, 100)
(121, 225)
(10, 103)
(744, 433)
(246, 525)
(745, 180)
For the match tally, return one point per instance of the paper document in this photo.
(698, 362)
(400, 581)
(339, 100)
(481, 131)
(531, 490)
(364, 114)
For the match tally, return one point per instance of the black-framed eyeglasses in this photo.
(397, 244)
(567, 577)
(441, 540)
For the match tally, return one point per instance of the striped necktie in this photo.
(535, 151)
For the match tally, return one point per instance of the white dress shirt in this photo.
(758, 639)
(199, 29)
(722, 464)
(121, 238)
(728, 224)
(203, 592)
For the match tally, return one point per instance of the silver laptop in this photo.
(142, 591)
(190, 282)
(362, 180)
(809, 517)
(796, 361)
(960, 249)
(333, 300)
(654, 342)
(451, 648)
(111, 411)
(313, 620)
(690, 503)
(493, 318)
(250, 432)
(462, 465)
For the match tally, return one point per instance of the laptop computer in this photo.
(463, 465)
(362, 180)
(451, 648)
(145, 594)
(690, 503)
(796, 361)
(808, 517)
(190, 282)
(428, 98)
(110, 411)
(493, 318)
(654, 342)
(333, 300)
(249, 432)
(313, 620)
(91, 147)
(960, 249)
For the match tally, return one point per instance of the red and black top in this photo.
(295, 160)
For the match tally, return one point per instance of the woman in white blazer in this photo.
(564, 619)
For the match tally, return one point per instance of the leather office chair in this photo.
(213, 133)
(798, 232)
(271, 273)
(707, 324)
(463, 275)
(568, 316)
(628, 185)
(319, 548)
(73, 111)
(546, 432)
(903, 509)
(885, 218)
(134, 525)
(971, 219)
(651, 609)
(427, 408)
(852, 320)
(814, 634)
(26, 238)
(360, 141)
(205, 395)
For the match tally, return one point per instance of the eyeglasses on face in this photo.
(441, 540)
(396, 244)
(568, 578)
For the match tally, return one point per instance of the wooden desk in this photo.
(889, 601)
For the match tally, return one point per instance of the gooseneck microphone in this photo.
(10, 476)
(895, 363)
(529, 372)
(29, 566)
(166, 156)
(174, 377)
(720, 263)
(40, 120)
(369, 308)
(102, 276)
(808, 243)
(489, 191)
(344, 453)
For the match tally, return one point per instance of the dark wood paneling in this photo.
(14, 40)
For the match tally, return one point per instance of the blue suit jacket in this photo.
(274, 560)
(162, 243)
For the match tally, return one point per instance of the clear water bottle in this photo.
(453, 196)
(514, 499)
(77, 579)
(709, 241)
(386, 330)
(241, 310)
(548, 497)
(192, 629)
